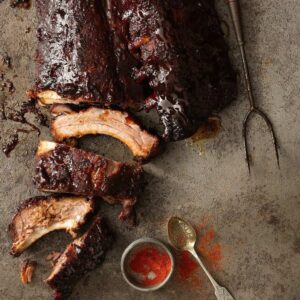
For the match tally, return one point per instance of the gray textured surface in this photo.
(256, 218)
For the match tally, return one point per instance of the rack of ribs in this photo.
(69, 124)
(74, 61)
(81, 256)
(182, 57)
(64, 169)
(38, 216)
(165, 55)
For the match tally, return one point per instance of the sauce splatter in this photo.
(188, 268)
(20, 4)
(13, 141)
(18, 116)
(208, 130)
(6, 60)
(208, 248)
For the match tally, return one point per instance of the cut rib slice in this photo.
(64, 169)
(82, 255)
(40, 215)
(120, 125)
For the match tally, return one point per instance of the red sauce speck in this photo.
(208, 248)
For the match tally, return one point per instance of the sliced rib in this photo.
(117, 124)
(81, 256)
(64, 169)
(74, 61)
(40, 215)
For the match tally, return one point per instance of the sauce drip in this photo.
(208, 130)
(18, 116)
(13, 141)
(20, 4)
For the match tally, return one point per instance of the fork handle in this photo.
(234, 8)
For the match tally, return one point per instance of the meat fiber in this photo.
(40, 215)
(81, 256)
(64, 169)
(120, 125)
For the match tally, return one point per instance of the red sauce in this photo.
(151, 265)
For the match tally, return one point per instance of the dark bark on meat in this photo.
(63, 169)
(74, 52)
(170, 53)
(183, 59)
(126, 63)
(81, 256)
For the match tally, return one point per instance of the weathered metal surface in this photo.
(256, 218)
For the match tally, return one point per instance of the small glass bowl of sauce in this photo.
(147, 264)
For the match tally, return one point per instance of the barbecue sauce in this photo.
(18, 116)
(208, 130)
(20, 4)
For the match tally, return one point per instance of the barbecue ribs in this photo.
(81, 256)
(40, 215)
(64, 169)
(183, 59)
(74, 61)
(165, 55)
(120, 125)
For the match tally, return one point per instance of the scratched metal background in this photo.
(256, 218)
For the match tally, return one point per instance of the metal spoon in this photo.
(182, 236)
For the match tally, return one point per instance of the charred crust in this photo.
(85, 173)
(81, 256)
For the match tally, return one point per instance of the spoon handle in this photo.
(220, 292)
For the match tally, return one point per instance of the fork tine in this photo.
(271, 129)
(245, 135)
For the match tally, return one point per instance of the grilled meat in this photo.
(81, 256)
(182, 59)
(64, 169)
(170, 54)
(40, 215)
(117, 124)
(74, 61)
(134, 91)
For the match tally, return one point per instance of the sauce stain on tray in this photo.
(207, 131)
(210, 250)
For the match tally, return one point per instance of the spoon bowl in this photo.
(181, 234)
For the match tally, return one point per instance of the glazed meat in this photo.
(182, 59)
(126, 63)
(81, 256)
(74, 61)
(64, 169)
(120, 125)
(40, 215)
(165, 55)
